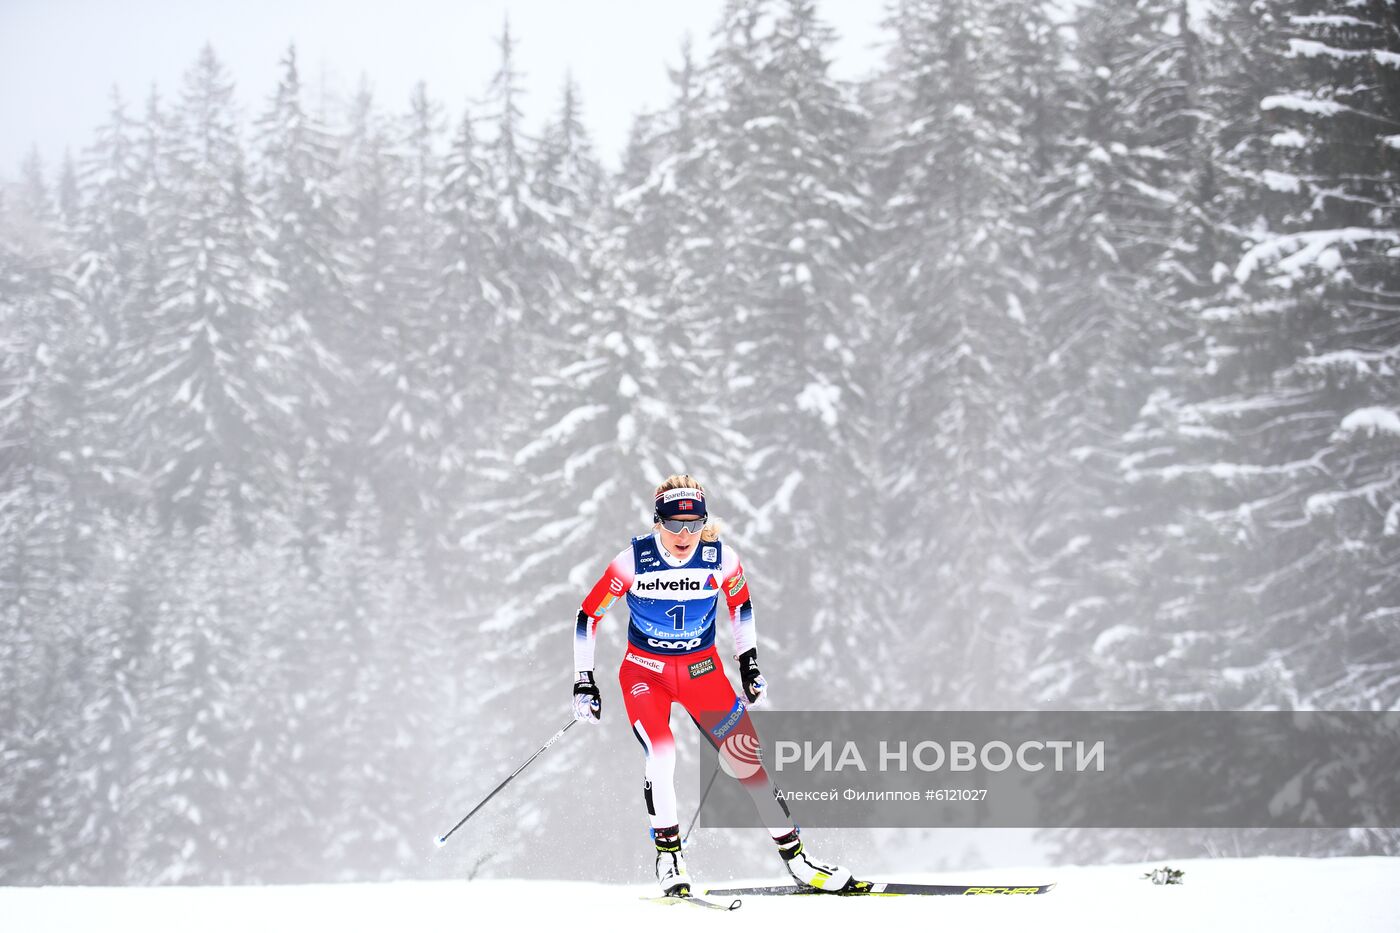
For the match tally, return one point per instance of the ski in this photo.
(695, 901)
(888, 889)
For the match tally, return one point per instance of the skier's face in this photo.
(681, 543)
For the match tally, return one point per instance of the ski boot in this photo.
(670, 863)
(832, 879)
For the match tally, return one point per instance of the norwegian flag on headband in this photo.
(681, 500)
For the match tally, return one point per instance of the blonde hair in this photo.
(685, 481)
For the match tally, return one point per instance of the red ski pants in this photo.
(651, 683)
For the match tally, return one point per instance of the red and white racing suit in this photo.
(671, 658)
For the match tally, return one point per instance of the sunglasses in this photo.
(676, 525)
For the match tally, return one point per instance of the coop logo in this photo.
(675, 645)
(670, 586)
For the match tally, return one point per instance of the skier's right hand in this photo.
(588, 703)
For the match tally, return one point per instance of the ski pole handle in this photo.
(442, 840)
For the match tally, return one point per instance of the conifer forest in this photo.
(1055, 365)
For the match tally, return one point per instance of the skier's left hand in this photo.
(754, 684)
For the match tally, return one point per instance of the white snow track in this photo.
(1278, 895)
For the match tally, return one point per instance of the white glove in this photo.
(754, 685)
(588, 703)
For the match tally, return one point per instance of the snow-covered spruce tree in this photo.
(1335, 374)
(565, 448)
(32, 225)
(35, 507)
(397, 730)
(666, 241)
(521, 240)
(647, 199)
(550, 448)
(1177, 555)
(407, 403)
(1135, 235)
(952, 270)
(1285, 455)
(1127, 218)
(289, 700)
(49, 510)
(606, 431)
(54, 463)
(368, 178)
(469, 335)
(98, 703)
(110, 286)
(1308, 332)
(195, 745)
(157, 136)
(568, 177)
(1278, 553)
(319, 778)
(107, 269)
(69, 197)
(204, 382)
(775, 311)
(301, 234)
(519, 226)
(422, 705)
(51, 444)
(659, 249)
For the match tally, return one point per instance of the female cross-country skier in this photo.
(675, 579)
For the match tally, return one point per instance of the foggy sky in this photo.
(60, 58)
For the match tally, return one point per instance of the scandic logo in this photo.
(651, 664)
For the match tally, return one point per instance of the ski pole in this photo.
(703, 797)
(442, 840)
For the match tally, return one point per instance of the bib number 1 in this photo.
(677, 615)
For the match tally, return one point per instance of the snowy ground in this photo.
(1353, 895)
